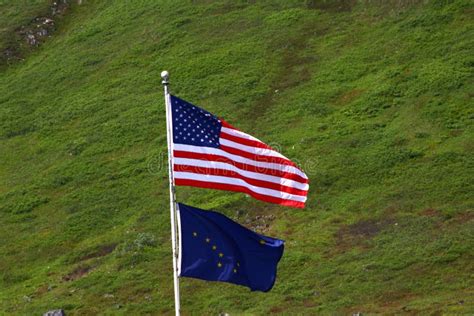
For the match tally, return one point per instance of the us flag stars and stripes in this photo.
(210, 153)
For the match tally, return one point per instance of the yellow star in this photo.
(208, 239)
(195, 234)
(262, 242)
(221, 254)
(235, 270)
(219, 264)
(214, 247)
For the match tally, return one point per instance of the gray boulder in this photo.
(56, 312)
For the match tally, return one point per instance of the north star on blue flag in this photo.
(215, 248)
(210, 153)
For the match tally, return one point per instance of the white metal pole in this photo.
(169, 135)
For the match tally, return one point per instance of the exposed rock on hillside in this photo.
(33, 34)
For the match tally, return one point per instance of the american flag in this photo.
(210, 153)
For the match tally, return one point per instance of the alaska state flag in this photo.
(215, 248)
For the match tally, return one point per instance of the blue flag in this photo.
(215, 248)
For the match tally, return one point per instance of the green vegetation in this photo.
(373, 100)
(14, 15)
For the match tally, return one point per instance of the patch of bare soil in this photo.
(357, 235)
(259, 223)
(102, 251)
(431, 212)
(31, 35)
(77, 273)
(464, 217)
(348, 97)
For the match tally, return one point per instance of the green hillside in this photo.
(372, 98)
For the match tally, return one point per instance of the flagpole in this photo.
(169, 133)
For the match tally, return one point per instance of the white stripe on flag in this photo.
(252, 150)
(249, 174)
(260, 164)
(240, 134)
(235, 181)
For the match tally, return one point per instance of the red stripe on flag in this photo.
(235, 175)
(260, 158)
(244, 141)
(225, 124)
(238, 188)
(242, 166)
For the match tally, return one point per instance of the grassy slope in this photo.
(12, 15)
(375, 102)
(16, 13)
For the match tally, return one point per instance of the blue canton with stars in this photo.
(193, 125)
(215, 248)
